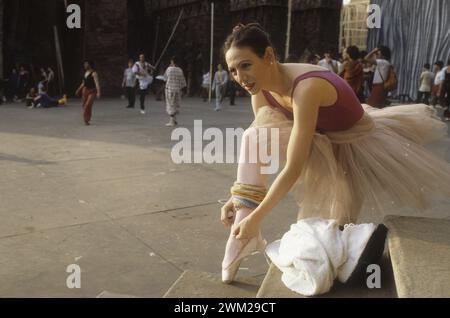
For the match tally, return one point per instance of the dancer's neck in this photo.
(280, 81)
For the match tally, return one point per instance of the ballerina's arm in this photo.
(306, 101)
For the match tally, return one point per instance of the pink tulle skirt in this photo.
(378, 164)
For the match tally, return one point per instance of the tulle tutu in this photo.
(378, 164)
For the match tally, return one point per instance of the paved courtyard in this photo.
(108, 198)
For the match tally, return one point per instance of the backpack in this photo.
(391, 82)
(446, 83)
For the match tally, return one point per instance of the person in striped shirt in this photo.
(175, 82)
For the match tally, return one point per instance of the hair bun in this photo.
(254, 25)
(238, 27)
(241, 26)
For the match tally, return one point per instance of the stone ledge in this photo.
(107, 294)
(420, 254)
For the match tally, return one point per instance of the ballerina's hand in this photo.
(248, 228)
(227, 213)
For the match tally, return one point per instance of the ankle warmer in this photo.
(247, 195)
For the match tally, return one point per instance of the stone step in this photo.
(273, 287)
(195, 284)
(108, 294)
(420, 254)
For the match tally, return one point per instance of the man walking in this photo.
(129, 83)
(175, 82)
(143, 71)
(426, 80)
(220, 85)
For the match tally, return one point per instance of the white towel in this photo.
(314, 252)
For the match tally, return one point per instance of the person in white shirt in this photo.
(438, 79)
(219, 85)
(380, 57)
(129, 83)
(42, 86)
(426, 78)
(51, 81)
(206, 80)
(175, 82)
(143, 71)
(329, 63)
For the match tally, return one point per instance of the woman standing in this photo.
(353, 70)
(380, 58)
(89, 89)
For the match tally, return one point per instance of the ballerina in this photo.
(339, 156)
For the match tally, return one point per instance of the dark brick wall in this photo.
(28, 38)
(271, 14)
(191, 41)
(1, 39)
(28, 32)
(140, 28)
(105, 41)
(250, 4)
(73, 50)
(315, 26)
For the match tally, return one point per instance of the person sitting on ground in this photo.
(46, 101)
(42, 85)
(43, 100)
(29, 99)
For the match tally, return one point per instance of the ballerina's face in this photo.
(248, 69)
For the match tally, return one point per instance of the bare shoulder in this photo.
(315, 90)
(307, 88)
(297, 69)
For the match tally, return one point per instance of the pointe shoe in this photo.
(254, 245)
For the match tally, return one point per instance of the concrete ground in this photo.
(108, 198)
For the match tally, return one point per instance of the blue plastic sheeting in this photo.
(417, 32)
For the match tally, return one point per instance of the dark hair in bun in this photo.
(250, 35)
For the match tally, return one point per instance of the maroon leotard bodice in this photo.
(342, 115)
